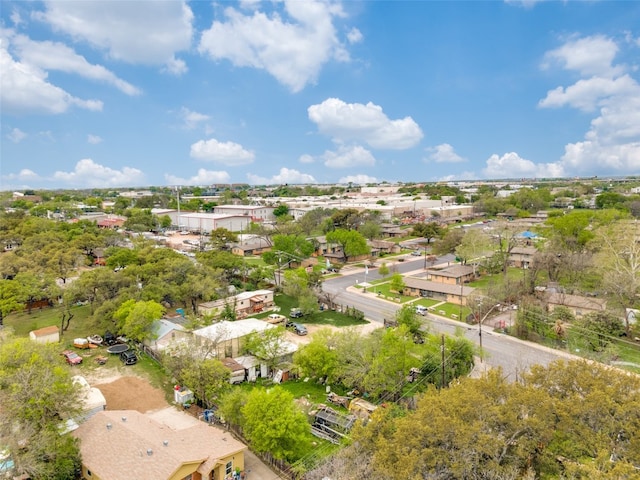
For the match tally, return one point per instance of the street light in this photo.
(480, 327)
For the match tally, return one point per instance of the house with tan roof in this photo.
(122, 444)
(577, 304)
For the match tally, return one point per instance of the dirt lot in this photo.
(131, 393)
(303, 340)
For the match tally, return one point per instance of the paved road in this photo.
(513, 355)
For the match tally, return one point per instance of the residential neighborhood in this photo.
(318, 319)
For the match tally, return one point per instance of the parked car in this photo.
(421, 310)
(275, 319)
(295, 313)
(129, 357)
(72, 358)
(298, 328)
(416, 253)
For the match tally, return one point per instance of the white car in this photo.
(421, 310)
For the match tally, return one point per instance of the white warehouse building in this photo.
(205, 222)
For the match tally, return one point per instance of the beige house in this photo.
(522, 257)
(577, 304)
(45, 335)
(121, 444)
(452, 275)
(244, 304)
(420, 287)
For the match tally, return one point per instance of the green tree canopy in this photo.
(273, 423)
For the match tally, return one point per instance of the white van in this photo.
(421, 310)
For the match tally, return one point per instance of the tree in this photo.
(207, 378)
(599, 328)
(281, 210)
(273, 423)
(37, 396)
(429, 231)
(384, 269)
(449, 242)
(269, 346)
(619, 262)
(135, 318)
(473, 247)
(396, 284)
(221, 237)
(370, 229)
(9, 298)
(567, 420)
(352, 243)
(318, 358)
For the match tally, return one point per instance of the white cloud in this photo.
(458, 176)
(149, 33)
(306, 158)
(358, 179)
(354, 36)
(192, 119)
(511, 165)
(444, 153)
(286, 175)
(349, 156)
(49, 55)
(25, 89)
(292, 44)
(203, 177)
(15, 17)
(16, 135)
(587, 55)
(587, 94)
(24, 175)
(227, 153)
(87, 173)
(367, 123)
(612, 143)
(94, 139)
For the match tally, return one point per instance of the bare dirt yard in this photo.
(132, 393)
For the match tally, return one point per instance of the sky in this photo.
(112, 94)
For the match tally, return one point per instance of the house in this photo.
(225, 339)
(451, 275)
(256, 247)
(45, 335)
(420, 287)
(522, 257)
(165, 332)
(121, 444)
(243, 304)
(390, 230)
(382, 247)
(577, 304)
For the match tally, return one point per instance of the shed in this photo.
(238, 372)
(45, 335)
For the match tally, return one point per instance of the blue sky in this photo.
(139, 93)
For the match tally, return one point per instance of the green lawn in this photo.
(452, 310)
(327, 317)
(385, 292)
(80, 326)
(498, 278)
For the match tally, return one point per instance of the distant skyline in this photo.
(100, 94)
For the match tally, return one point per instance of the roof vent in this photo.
(165, 443)
(149, 452)
(124, 419)
(109, 426)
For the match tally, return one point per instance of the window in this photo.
(228, 468)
